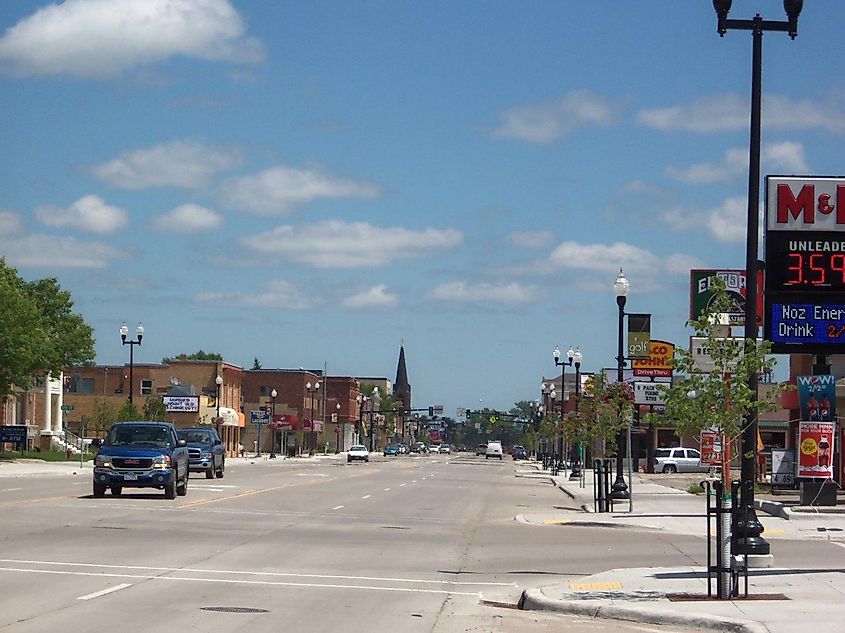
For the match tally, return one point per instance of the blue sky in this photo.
(310, 182)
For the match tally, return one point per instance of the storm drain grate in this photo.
(234, 610)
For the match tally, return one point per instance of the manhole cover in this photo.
(234, 610)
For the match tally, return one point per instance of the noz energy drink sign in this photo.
(815, 449)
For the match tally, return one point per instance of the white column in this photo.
(59, 402)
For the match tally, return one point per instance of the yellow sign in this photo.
(660, 363)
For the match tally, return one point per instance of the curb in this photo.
(536, 600)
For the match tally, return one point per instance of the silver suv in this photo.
(678, 460)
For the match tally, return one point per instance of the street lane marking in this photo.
(556, 521)
(366, 496)
(233, 572)
(593, 586)
(770, 532)
(337, 507)
(387, 489)
(16, 489)
(400, 485)
(97, 594)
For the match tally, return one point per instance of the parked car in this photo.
(494, 449)
(141, 455)
(678, 460)
(519, 452)
(359, 452)
(418, 447)
(391, 449)
(481, 449)
(404, 449)
(434, 448)
(461, 448)
(445, 448)
(205, 451)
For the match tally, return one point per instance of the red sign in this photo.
(815, 449)
(660, 362)
(711, 448)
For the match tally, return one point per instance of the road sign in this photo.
(649, 393)
(67, 407)
(438, 409)
(259, 417)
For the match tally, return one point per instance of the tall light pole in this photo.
(311, 392)
(273, 395)
(748, 528)
(139, 331)
(570, 354)
(544, 390)
(340, 439)
(619, 490)
(577, 357)
(218, 381)
(361, 399)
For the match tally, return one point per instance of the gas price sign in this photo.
(805, 264)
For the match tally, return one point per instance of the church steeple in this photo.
(401, 387)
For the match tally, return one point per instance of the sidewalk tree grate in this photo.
(234, 610)
(697, 597)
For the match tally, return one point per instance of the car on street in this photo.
(391, 449)
(141, 455)
(494, 449)
(445, 448)
(404, 449)
(357, 452)
(418, 447)
(678, 459)
(434, 448)
(481, 449)
(519, 452)
(206, 453)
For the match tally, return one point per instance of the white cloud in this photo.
(722, 113)
(335, 244)
(509, 293)
(603, 257)
(103, 38)
(680, 264)
(531, 239)
(552, 120)
(725, 223)
(90, 213)
(279, 295)
(186, 164)
(278, 189)
(375, 297)
(11, 223)
(188, 218)
(52, 252)
(785, 157)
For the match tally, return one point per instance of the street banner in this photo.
(189, 404)
(783, 467)
(660, 362)
(639, 335)
(711, 448)
(815, 442)
(817, 397)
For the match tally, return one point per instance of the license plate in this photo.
(130, 477)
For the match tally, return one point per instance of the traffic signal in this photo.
(431, 412)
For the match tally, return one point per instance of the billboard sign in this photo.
(808, 204)
(711, 448)
(783, 466)
(179, 404)
(639, 335)
(815, 449)
(702, 293)
(817, 397)
(702, 361)
(803, 326)
(660, 362)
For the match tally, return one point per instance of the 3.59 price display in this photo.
(805, 264)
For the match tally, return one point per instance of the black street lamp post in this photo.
(577, 448)
(339, 444)
(273, 395)
(570, 354)
(139, 331)
(619, 490)
(748, 528)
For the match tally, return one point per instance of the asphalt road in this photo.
(401, 544)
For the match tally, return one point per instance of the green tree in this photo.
(154, 409)
(39, 332)
(256, 364)
(720, 399)
(103, 415)
(602, 415)
(128, 411)
(198, 355)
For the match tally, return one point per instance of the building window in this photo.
(264, 392)
(146, 387)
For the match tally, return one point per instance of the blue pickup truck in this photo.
(206, 451)
(141, 455)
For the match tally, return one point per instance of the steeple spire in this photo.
(401, 387)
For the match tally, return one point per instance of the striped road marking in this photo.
(104, 592)
(556, 521)
(593, 586)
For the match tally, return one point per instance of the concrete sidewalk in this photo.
(779, 600)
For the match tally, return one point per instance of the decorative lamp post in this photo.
(544, 390)
(748, 528)
(340, 439)
(311, 392)
(578, 449)
(619, 490)
(139, 331)
(219, 382)
(570, 353)
(273, 395)
(361, 399)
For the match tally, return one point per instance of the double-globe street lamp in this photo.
(748, 528)
(312, 391)
(619, 490)
(139, 332)
(570, 355)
